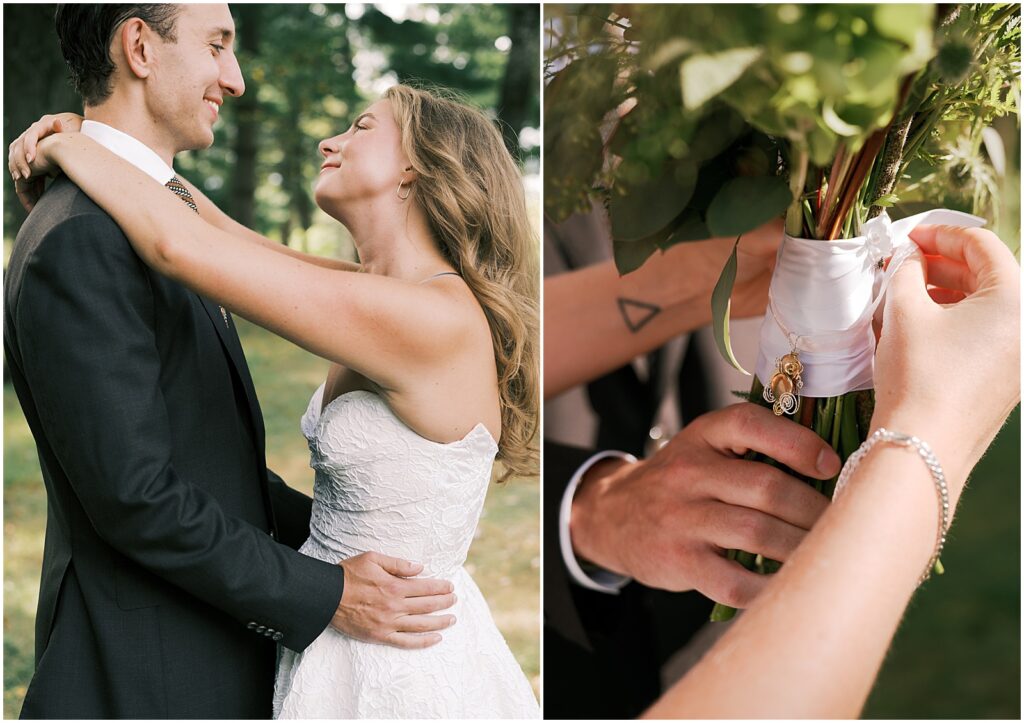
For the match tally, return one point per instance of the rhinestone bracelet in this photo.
(932, 462)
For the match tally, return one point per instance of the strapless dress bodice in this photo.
(382, 487)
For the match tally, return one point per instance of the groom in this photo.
(169, 571)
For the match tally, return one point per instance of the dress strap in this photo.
(442, 273)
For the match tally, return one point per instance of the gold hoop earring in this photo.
(398, 192)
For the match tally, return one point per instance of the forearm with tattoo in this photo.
(637, 314)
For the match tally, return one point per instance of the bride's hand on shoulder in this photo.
(22, 150)
(44, 161)
(23, 157)
(947, 367)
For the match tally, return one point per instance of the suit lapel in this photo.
(233, 347)
(229, 340)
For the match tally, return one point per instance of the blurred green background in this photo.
(308, 68)
(957, 652)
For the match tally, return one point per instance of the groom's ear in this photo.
(138, 43)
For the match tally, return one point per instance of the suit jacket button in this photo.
(278, 636)
(251, 626)
(273, 535)
(261, 628)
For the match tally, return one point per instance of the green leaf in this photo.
(716, 132)
(954, 62)
(887, 201)
(720, 613)
(903, 21)
(590, 21)
(705, 76)
(745, 203)
(648, 207)
(849, 436)
(836, 124)
(575, 101)
(666, 52)
(631, 255)
(821, 144)
(692, 228)
(721, 302)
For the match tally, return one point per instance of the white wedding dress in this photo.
(382, 487)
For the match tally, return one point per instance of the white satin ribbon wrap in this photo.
(823, 295)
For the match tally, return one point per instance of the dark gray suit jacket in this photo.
(163, 586)
(605, 651)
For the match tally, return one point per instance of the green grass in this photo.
(504, 559)
(24, 524)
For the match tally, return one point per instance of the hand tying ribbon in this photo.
(823, 295)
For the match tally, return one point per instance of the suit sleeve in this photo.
(94, 368)
(560, 604)
(292, 510)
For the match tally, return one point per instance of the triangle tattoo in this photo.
(637, 314)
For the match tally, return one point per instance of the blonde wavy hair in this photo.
(472, 193)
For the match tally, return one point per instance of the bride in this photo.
(433, 344)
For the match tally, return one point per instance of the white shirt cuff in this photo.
(598, 579)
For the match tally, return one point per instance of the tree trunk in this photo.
(242, 198)
(520, 82)
(285, 230)
(37, 83)
(300, 212)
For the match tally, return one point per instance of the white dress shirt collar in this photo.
(132, 150)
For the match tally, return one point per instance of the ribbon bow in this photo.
(880, 238)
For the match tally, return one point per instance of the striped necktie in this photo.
(179, 190)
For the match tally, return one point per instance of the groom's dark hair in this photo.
(86, 31)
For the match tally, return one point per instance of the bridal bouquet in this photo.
(694, 121)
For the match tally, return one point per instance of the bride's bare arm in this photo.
(389, 330)
(22, 151)
(209, 211)
(813, 642)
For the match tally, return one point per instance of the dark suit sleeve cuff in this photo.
(560, 613)
(319, 598)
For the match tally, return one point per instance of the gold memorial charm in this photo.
(784, 387)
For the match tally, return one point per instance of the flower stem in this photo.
(797, 178)
(888, 168)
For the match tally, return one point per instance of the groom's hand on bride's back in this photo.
(383, 603)
(667, 521)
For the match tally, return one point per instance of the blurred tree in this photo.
(36, 82)
(519, 100)
(456, 52)
(489, 52)
(308, 68)
(243, 180)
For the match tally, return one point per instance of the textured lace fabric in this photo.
(381, 487)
